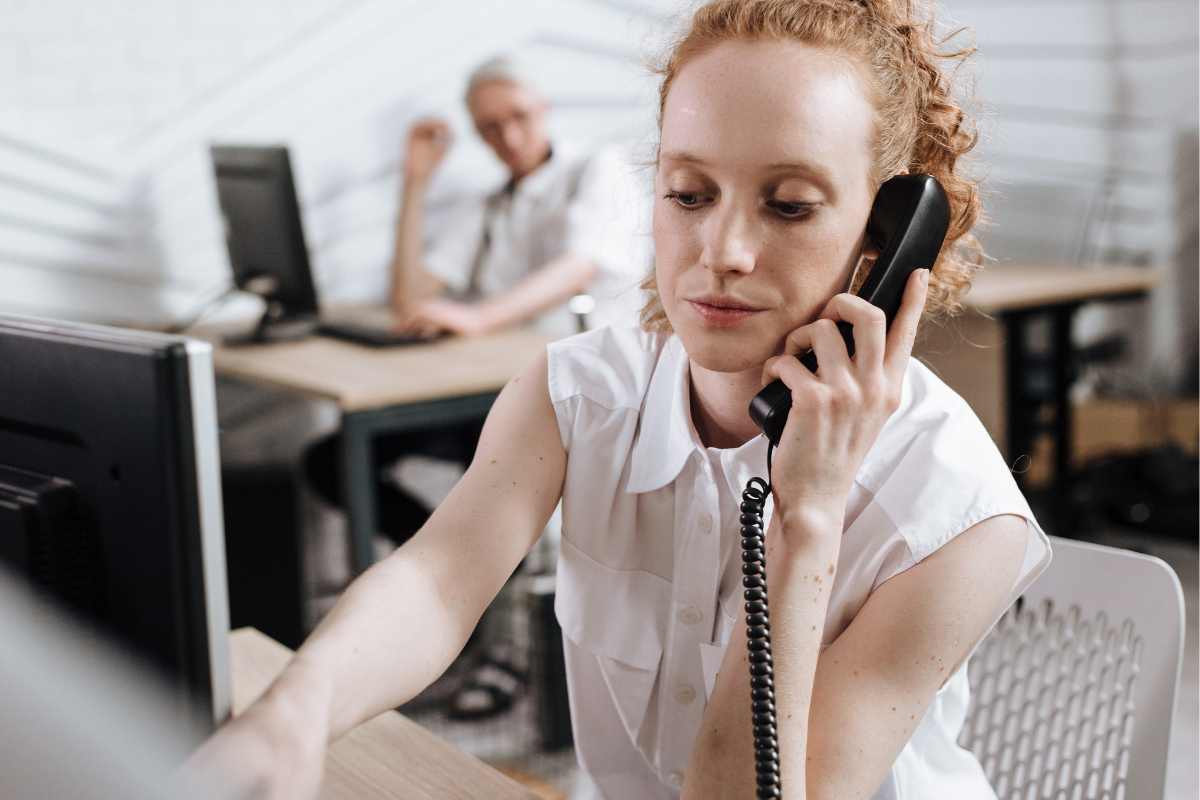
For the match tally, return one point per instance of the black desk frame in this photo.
(1022, 411)
(359, 429)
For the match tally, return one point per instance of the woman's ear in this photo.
(866, 261)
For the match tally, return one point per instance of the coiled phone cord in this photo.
(758, 634)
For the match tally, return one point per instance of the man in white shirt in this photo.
(563, 224)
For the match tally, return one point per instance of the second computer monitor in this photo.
(264, 231)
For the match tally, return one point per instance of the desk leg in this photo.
(1022, 413)
(1020, 420)
(358, 489)
(1062, 484)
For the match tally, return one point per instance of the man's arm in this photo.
(412, 283)
(401, 624)
(549, 285)
(872, 685)
(426, 145)
(552, 284)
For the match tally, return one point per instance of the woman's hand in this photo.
(837, 412)
(274, 750)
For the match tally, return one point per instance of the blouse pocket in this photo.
(619, 617)
(712, 654)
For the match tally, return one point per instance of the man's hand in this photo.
(464, 319)
(427, 143)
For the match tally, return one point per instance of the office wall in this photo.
(1089, 150)
(107, 209)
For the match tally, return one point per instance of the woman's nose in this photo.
(728, 245)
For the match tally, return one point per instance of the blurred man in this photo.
(564, 223)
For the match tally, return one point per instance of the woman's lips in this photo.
(719, 316)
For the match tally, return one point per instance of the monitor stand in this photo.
(274, 326)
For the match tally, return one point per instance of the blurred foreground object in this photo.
(79, 719)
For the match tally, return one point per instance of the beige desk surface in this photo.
(1010, 287)
(360, 378)
(388, 757)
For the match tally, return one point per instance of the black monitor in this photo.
(110, 495)
(265, 237)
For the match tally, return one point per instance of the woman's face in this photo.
(762, 195)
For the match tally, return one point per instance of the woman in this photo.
(896, 538)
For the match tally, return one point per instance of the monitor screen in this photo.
(110, 492)
(263, 228)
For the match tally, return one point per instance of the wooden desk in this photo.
(1010, 287)
(388, 757)
(978, 352)
(384, 390)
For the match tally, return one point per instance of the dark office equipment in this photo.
(264, 542)
(1152, 491)
(109, 493)
(265, 236)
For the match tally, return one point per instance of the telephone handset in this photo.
(908, 223)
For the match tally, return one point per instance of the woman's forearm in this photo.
(801, 563)
(800, 571)
(360, 662)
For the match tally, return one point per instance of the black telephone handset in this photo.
(908, 224)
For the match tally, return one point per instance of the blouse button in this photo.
(685, 694)
(690, 616)
(675, 779)
(706, 522)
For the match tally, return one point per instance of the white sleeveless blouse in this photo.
(648, 584)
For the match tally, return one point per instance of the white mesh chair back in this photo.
(1073, 692)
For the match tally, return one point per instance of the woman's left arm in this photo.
(842, 725)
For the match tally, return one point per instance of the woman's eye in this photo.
(791, 210)
(685, 199)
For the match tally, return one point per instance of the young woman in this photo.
(896, 535)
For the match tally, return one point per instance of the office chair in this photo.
(1074, 689)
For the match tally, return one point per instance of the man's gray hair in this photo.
(506, 68)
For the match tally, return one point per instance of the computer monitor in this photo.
(110, 495)
(265, 237)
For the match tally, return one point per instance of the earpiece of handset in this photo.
(908, 222)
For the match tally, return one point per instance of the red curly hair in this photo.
(920, 128)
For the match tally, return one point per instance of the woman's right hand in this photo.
(427, 143)
(269, 752)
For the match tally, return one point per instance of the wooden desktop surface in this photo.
(1011, 287)
(388, 757)
(360, 378)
